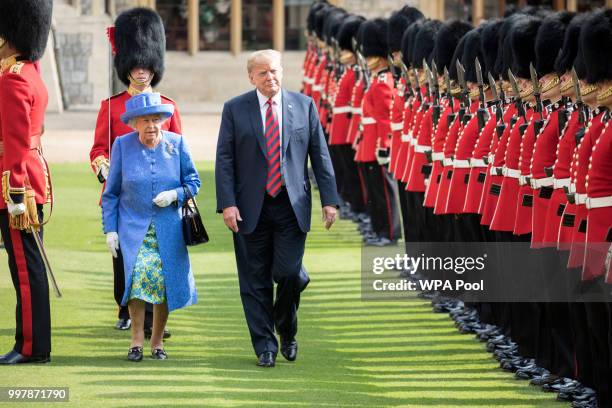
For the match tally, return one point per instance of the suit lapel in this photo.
(287, 120)
(255, 114)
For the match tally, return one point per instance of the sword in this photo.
(43, 254)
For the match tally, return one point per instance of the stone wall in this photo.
(74, 51)
(371, 9)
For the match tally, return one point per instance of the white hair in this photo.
(132, 122)
(263, 56)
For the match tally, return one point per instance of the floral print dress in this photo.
(148, 279)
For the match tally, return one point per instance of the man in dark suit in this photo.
(263, 191)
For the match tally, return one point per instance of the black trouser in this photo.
(119, 290)
(335, 153)
(352, 185)
(382, 190)
(32, 312)
(271, 253)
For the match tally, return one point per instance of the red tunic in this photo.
(376, 116)
(397, 122)
(318, 78)
(437, 155)
(599, 214)
(418, 160)
(356, 101)
(23, 100)
(411, 106)
(478, 170)
(342, 110)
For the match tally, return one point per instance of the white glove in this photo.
(16, 209)
(165, 198)
(104, 170)
(112, 242)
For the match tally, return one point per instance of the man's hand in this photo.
(231, 216)
(165, 198)
(329, 216)
(16, 209)
(112, 242)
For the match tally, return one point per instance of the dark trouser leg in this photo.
(336, 159)
(382, 191)
(352, 183)
(289, 241)
(32, 312)
(597, 321)
(119, 290)
(403, 204)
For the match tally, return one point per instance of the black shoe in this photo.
(148, 332)
(13, 357)
(380, 242)
(289, 349)
(135, 354)
(545, 379)
(159, 354)
(123, 324)
(266, 359)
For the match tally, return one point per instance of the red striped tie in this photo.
(273, 181)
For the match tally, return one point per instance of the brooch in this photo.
(170, 148)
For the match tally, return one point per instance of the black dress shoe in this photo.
(123, 324)
(148, 332)
(135, 354)
(266, 359)
(289, 349)
(159, 354)
(13, 357)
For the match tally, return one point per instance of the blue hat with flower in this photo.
(146, 103)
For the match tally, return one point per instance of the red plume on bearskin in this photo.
(110, 33)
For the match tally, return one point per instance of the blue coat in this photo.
(241, 166)
(137, 175)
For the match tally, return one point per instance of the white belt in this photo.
(541, 182)
(309, 80)
(580, 198)
(413, 141)
(397, 126)
(357, 111)
(560, 183)
(522, 180)
(406, 137)
(572, 188)
(598, 202)
(342, 109)
(421, 148)
(368, 121)
(461, 164)
(491, 157)
(437, 156)
(493, 170)
(317, 87)
(447, 161)
(512, 173)
(477, 162)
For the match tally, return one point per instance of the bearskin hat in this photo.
(596, 45)
(523, 36)
(348, 30)
(319, 19)
(425, 42)
(488, 45)
(569, 50)
(550, 40)
(398, 22)
(408, 41)
(457, 56)
(310, 20)
(504, 46)
(332, 24)
(447, 39)
(374, 41)
(471, 51)
(140, 41)
(25, 24)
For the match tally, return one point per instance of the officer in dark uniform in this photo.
(24, 29)
(139, 44)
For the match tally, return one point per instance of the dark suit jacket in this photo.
(241, 166)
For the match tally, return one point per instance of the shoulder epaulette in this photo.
(17, 67)
(116, 95)
(170, 99)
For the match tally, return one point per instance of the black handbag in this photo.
(193, 227)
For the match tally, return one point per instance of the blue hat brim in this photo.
(165, 110)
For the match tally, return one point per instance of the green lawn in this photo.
(352, 353)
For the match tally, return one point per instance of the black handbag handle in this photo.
(190, 197)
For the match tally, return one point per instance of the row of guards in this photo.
(447, 132)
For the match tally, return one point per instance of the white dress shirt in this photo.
(277, 105)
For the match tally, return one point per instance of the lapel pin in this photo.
(289, 106)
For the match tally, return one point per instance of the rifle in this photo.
(499, 115)
(579, 102)
(406, 76)
(339, 66)
(465, 100)
(428, 92)
(392, 68)
(447, 82)
(437, 108)
(364, 68)
(538, 124)
(518, 101)
(418, 86)
(482, 113)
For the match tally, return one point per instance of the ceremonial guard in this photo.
(138, 40)
(24, 29)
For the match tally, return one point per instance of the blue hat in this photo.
(146, 104)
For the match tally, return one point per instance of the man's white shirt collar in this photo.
(263, 100)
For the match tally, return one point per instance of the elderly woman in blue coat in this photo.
(151, 174)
